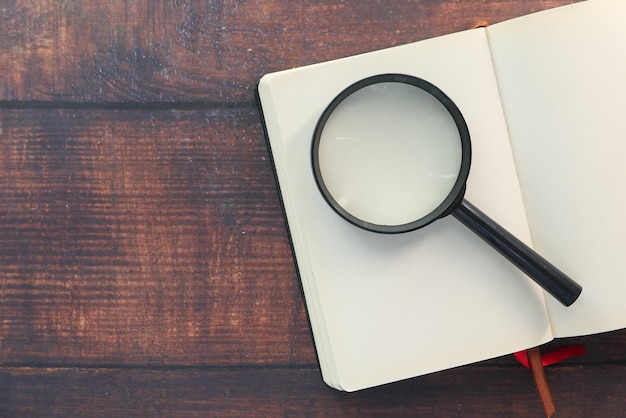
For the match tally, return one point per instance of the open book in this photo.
(544, 97)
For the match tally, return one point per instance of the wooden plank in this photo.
(143, 237)
(146, 237)
(467, 392)
(173, 51)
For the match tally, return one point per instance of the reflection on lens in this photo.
(390, 153)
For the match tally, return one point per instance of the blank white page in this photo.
(562, 77)
(388, 307)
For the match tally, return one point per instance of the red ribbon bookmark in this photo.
(535, 361)
(553, 357)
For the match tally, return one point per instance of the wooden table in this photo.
(145, 268)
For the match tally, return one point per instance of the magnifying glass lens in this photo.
(390, 153)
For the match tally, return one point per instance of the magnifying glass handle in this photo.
(554, 281)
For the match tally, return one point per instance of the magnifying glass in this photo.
(391, 154)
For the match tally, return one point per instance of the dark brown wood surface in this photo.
(145, 269)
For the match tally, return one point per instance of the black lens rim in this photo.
(456, 193)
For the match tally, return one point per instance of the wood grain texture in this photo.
(145, 268)
(479, 391)
(209, 51)
(143, 237)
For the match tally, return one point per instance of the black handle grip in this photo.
(554, 281)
